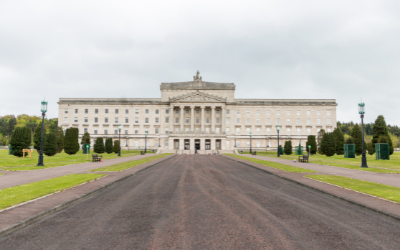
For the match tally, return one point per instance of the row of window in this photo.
(157, 111)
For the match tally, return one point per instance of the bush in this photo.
(319, 140)
(116, 146)
(59, 133)
(86, 138)
(109, 145)
(50, 144)
(99, 146)
(370, 148)
(20, 139)
(288, 150)
(339, 141)
(380, 129)
(357, 139)
(311, 141)
(37, 137)
(71, 143)
(328, 144)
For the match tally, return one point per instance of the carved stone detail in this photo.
(197, 96)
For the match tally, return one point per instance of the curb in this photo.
(323, 191)
(42, 215)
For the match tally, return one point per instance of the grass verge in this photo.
(125, 165)
(379, 190)
(16, 195)
(375, 170)
(271, 164)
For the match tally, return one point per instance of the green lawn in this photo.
(372, 188)
(13, 163)
(125, 165)
(23, 193)
(340, 161)
(283, 167)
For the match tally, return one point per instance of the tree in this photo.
(357, 138)
(50, 144)
(319, 140)
(339, 141)
(380, 129)
(20, 139)
(86, 138)
(349, 141)
(288, 150)
(109, 145)
(37, 138)
(370, 148)
(328, 144)
(311, 141)
(116, 146)
(59, 133)
(71, 144)
(99, 145)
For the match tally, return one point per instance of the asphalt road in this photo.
(209, 202)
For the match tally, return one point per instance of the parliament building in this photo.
(198, 114)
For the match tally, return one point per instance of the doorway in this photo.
(187, 144)
(208, 144)
(176, 144)
(197, 144)
(218, 144)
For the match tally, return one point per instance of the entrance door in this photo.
(218, 144)
(197, 144)
(208, 144)
(187, 145)
(176, 144)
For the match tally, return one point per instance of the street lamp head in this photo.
(278, 127)
(44, 107)
(361, 108)
(119, 126)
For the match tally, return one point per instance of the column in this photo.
(213, 119)
(202, 119)
(192, 118)
(192, 145)
(223, 120)
(182, 111)
(212, 141)
(171, 119)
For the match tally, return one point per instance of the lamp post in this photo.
(235, 143)
(277, 129)
(44, 110)
(250, 142)
(145, 142)
(119, 140)
(159, 142)
(361, 111)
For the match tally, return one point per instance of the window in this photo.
(176, 120)
(187, 120)
(318, 129)
(258, 112)
(268, 112)
(176, 130)
(238, 131)
(287, 112)
(167, 111)
(157, 120)
(268, 131)
(96, 120)
(76, 111)
(237, 143)
(197, 120)
(247, 120)
(258, 121)
(106, 120)
(136, 130)
(106, 111)
(75, 119)
(328, 121)
(95, 132)
(136, 119)
(217, 130)
(86, 120)
(156, 130)
(197, 129)
(187, 111)
(176, 111)
(115, 131)
(146, 120)
(298, 121)
(116, 111)
(247, 112)
(126, 120)
(248, 131)
(116, 120)
(268, 121)
(248, 144)
(166, 119)
(126, 111)
(308, 131)
(207, 120)
(136, 111)
(166, 130)
(318, 112)
(258, 131)
(207, 130)
(85, 130)
(217, 111)
(105, 131)
(228, 144)
(308, 121)
(258, 144)
(146, 111)
(227, 120)
(269, 144)
(228, 111)
(217, 120)
(328, 112)
(238, 112)
(278, 121)
(278, 112)
(96, 111)
(197, 111)
(318, 121)
(308, 112)
(298, 112)
(298, 131)
(329, 130)
(288, 131)
(136, 143)
(227, 131)
(146, 130)
(86, 111)
(207, 111)
(237, 120)
(288, 121)
(65, 111)
(126, 131)
(166, 143)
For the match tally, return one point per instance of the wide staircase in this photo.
(201, 152)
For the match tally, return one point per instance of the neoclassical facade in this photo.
(199, 114)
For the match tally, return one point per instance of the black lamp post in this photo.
(145, 142)
(159, 142)
(250, 142)
(235, 142)
(277, 129)
(361, 111)
(44, 110)
(119, 140)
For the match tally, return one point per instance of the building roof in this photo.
(197, 85)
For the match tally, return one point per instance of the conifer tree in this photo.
(328, 144)
(349, 141)
(50, 144)
(99, 145)
(311, 141)
(339, 140)
(357, 139)
(86, 138)
(380, 129)
(370, 148)
(59, 133)
(116, 146)
(37, 137)
(319, 140)
(109, 145)
(20, 139)
(71, 144)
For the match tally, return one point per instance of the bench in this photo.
(254, 153)
(303, 158)
(142, 153)
(96, 158)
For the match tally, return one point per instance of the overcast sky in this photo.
(344, 50)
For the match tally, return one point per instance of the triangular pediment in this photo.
(197, 97)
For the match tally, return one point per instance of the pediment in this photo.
(197, 97)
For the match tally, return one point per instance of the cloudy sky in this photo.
(345, 50)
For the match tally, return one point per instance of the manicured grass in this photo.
(393, 163)
(1, 174)
(125, 165)
(13, 163)
(372, 188)
(23, 193)
(280, 166)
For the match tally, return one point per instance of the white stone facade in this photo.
(199, 114)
